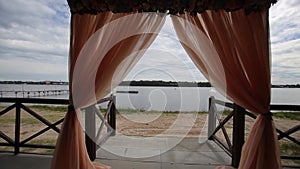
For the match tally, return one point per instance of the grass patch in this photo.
(51, 113)
(7, 120)
(49, 108)
(30, 120)
(226, 112)
(280, 115)
(290, 148)
(202, 112)
(49, 117)
(44, 108)
(54, 117)
(171, 112)
(287, 115)
(50, 142)
(49, 151)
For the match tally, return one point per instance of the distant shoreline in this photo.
(146, 83)
(36, 82)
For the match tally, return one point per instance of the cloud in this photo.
(31, 70)
(166, 60)
(285, 47)
(33, 33)
(284, 38)
(159, 64)
(34, 37)
(285, 42)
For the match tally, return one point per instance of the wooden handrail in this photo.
(285, 107)
(226, 104)
(272, 106)
(34, 100)
(45, 100)
(106, 99)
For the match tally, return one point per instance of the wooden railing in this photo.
(233, 146)
(18, 105)
(21, 104)
(109, 119)
(33, 93)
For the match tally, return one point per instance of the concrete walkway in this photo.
(161, 153)
(138, 153)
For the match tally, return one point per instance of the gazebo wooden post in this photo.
(211, 117)
(112, 119)
(90, 132)
(17, 128)
(238, 135)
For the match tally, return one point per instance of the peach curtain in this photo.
(103, 49)
(231, 49)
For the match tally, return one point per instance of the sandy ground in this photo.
(166, 124)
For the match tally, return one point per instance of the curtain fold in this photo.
(103, 49)
(231, 49)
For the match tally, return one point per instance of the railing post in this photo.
(238, 135)
(112, 116)
(17, 128)
(90, 131)
(211, 117)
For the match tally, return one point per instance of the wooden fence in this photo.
(21, 104)
(233, 146)
(33, 93)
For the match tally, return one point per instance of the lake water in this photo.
(159, 98)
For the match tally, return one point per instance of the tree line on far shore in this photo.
(185, 84)
(165, 83)
(158, 83)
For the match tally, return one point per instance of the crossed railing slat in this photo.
(18, 105)
(228, 146)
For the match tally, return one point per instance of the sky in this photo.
(34, 45)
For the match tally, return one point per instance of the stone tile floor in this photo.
(122, 152)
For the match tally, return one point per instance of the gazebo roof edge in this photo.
(170, 6)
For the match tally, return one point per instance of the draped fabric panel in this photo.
(231, 49)
(103, 49)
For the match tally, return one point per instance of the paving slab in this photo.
(24, 161)
(120, 153)
(187, 153)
